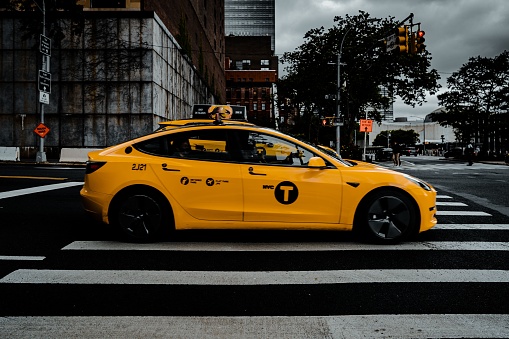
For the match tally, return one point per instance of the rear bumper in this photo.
(95, 204)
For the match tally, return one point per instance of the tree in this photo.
(367, 66)
(405, 137)
(477, 94)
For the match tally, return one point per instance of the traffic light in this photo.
(402, 39)
(419, 42)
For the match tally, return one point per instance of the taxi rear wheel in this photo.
(387, 217)
(140, 215)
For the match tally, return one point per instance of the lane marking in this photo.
(491, 227)
(284, 247)
(465, 213)
(38, 189)
(449, 203)
(30, 177)
(222, 278)
(243, 327)
(20, 257)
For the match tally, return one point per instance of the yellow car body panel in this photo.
(210, 194)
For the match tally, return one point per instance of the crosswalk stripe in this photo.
(244, 327)
(490, 227)
(30, 276)
(443, 196)
(450, 203)
(464, 213)
(289, 247)
(20, 257)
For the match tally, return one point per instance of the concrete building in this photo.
(135, 63)
(430, 132)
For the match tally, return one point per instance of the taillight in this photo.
(93, 166)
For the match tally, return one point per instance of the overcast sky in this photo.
(455, 30)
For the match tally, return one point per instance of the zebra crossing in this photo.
(433, 287)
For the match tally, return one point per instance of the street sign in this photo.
(45, 45)
(392, 42)
(43, 98)
(366, 125)
(44, 81)
(41, 130)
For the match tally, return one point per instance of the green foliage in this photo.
(405, 137)
(477, 92)
(365, 66)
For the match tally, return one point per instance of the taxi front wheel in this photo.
(140, 216)
(387, 217)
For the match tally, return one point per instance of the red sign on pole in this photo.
(41, 130)
(366, 125)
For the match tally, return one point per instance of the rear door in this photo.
(197, 170)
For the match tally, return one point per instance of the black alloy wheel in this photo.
(140, 217)
(387, 217)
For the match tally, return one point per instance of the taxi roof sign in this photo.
(204, 111)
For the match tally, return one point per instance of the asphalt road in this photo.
(64, 275)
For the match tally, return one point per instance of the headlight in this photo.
(421, 183)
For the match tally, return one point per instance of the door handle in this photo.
(252, 172)
(165, 168)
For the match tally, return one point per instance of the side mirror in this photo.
(316, 162)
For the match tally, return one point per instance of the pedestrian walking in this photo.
(470, 153)
(396, 154)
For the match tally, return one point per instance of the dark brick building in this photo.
(251, 75)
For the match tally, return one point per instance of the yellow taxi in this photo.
(247, 177)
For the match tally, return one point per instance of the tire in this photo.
(140, 216)
(387, 217)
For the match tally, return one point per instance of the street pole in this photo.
(41, 155)
(338, 101)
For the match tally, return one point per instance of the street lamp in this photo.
(338, 96)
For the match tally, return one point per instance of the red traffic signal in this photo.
(419, 42)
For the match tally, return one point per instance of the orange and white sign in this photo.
(366, 125)
(41, 130)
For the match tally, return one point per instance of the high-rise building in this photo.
(251, 18)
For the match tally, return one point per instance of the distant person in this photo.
(396, 154)
(469, 150)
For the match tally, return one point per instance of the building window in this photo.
(264, 62)
(246, 62)
(263, 106)
(255, 106)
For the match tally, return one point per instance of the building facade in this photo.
(251, 18)
(125, 72)
(251, 77)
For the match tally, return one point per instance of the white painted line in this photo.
(490, 227)
(285, 247)
(450, 203)
(19, 257)
(443, 196)
(465, 213)
(222, 278)
(416, 326)
(38, 189)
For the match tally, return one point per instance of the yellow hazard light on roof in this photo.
(218, 112)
